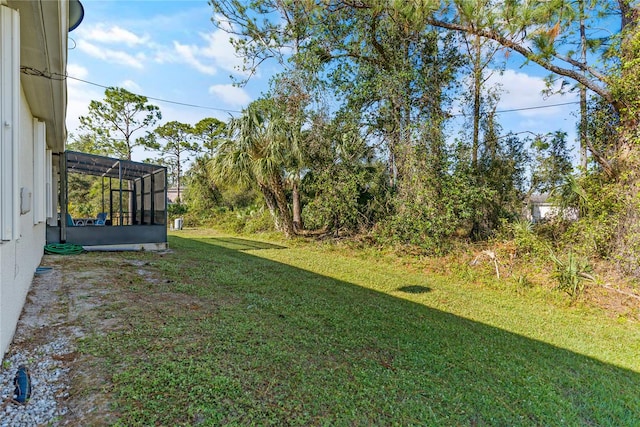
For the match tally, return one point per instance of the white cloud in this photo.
(78, 71)
(113, 56)
(220, 49)
(216, 52)
(131, 86)
(521, 90)
(230, 95)
(79, 96)
(188, 54)
(113, 35)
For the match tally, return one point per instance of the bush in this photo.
(594, 233)
(259, 221)
(524, 234)
(571, 273)
(176, 210)
(248, 220)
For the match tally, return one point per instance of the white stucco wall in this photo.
(20, 256)
(547, 211)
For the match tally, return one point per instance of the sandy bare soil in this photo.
(71, 301)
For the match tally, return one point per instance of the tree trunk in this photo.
(297, 208)
(270, 200)
(628, 234)
(277, 189)
(583, 93)
(477, 85)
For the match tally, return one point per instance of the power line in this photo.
(156, 99)
(57, 76)
(526, 108)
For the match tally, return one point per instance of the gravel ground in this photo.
(43, 342)
(62, 306)
(49, 383)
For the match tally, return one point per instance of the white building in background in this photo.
(172, 194)
(33, 102)
(540, 208)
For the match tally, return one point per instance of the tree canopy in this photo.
(114, 121)
(355, 135)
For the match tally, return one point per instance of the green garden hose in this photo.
(63, 249)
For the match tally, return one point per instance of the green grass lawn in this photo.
(234, 331)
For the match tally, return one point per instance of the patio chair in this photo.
(70, 222)
(101, 218)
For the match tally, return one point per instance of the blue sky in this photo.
(171, 50)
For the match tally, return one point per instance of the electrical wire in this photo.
(538, 107)
(159, 99)
(30, 71)
(57, 76)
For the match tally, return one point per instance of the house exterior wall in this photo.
(33, 33)
(20, 256)
(544, 211)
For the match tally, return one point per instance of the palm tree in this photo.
(260, 148)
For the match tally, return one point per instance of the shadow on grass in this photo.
(282, 345)
(242, 244)
(415, 289)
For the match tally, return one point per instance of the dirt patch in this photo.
(77, 297)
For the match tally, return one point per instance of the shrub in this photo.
(571, 273)
(528, 243)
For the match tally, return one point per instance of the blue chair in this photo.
(101, 218)
(70, 222)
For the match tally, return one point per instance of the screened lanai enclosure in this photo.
(129, 204)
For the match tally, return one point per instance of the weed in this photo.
(522, 282)
(571, 273)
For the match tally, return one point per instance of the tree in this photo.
(389, 78)
(86, 143)
(259, 147)
(113, 122)
(497, 178)
(346, 186)
(210, 131)
(481, 99)
(552, 163)
(391, 61)
(291, 95)
(177, 144)
(374, 59)
(85, 192)
(202, 194)
(541, 32)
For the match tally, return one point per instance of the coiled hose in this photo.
(63, 249)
